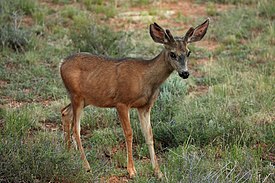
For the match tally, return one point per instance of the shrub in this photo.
(101, 40)
(231, 1)
(107, 9)
(42, 159)
(12, 35)
(236, 18)
(267, 8)
(238, 164)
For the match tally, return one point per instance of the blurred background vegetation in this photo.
(217, 126)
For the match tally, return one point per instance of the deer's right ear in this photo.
(158, 34)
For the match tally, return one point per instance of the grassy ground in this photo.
(217, 126)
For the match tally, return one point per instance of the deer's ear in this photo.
(193, 35)
(158, 34)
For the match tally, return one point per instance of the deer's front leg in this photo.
(144, 118)
(123, 112)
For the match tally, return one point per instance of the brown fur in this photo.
(130, 81)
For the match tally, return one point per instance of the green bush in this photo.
(101, 40)
(26, 7)
(231, 1)
(12, 35)
(41, 159)
(106, 9)
(165, 107)
(267, 8)
(16, 123)
(236, 25)
(238, 164)
(223, 116)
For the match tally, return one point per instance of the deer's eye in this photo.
(173, 55)
(188, 53)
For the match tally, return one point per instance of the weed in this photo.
(38, 160)
(101, 41)
(13, 36)
(17, 123)
(140, 2)
(92, 2)
(119, 158)
(236, 18)
(188, 164)
(267, 8)
(98, 7)
(69, 12)
(39, 17)
(211, 9)
(232, 1)
(61, 1)
(104, 140)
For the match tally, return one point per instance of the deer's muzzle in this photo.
(184, 74)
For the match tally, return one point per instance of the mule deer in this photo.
(124, 84)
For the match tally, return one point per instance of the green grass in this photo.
(224, 133)
(108, 9)
(240, 2)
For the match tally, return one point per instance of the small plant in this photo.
(140, 2)
(61, 1)
(17, 123)
(89, 3)
(231, 1)
(69, 12)
(40, 160)
(211, 9)
(27, 6)
(107, 9)
(12, 35)
(267, 8)
(14, 38)
(101, 40)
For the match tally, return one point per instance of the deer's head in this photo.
(176, 51)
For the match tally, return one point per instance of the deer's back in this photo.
(105, 82)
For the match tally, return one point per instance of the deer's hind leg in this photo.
(77, 107)
(66, 116)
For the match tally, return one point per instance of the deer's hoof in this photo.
(132, 172)
(158, 174)
(87, 167)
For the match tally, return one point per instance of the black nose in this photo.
(184, 74)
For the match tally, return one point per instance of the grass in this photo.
(107, 9)
(223, 133)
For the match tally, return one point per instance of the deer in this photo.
(124, 84)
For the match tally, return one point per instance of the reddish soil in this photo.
(114, 179)
(198, 90)
(50, 126)
(3, 83)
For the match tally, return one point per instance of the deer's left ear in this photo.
(193, 35)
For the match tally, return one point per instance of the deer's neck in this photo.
(159, 70)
